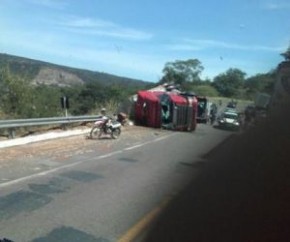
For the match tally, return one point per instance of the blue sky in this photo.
(136, 38)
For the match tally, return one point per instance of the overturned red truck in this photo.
(176, 111)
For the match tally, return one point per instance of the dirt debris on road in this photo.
(62, 148)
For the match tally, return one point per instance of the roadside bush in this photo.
(206, 90)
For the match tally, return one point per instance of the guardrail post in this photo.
(64, 127)
(11, 133)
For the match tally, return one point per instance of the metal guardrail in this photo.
(12, 124)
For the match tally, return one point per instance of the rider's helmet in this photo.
(103, 111)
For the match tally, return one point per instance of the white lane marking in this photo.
(104, 156)
(22, 179)
(134, 147)
(108, 155)
(161, 138)
(151, 141)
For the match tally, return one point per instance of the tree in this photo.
(88, 97)
(259, 83)
(182, 72)
(16, 95)
(286, 54)
(228, 84)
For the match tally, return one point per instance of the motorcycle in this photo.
(107, 127)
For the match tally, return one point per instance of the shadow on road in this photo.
(241, 194)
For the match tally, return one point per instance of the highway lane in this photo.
(99, 196)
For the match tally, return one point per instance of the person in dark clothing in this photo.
(213, 113)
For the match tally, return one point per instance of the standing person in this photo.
(213, 112)
(241, 120)
(248, 118)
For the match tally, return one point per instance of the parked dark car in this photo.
(232, 105)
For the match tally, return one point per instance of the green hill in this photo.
(40, 72)
(86, 90)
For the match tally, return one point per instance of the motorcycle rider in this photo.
(105, 124)
(105, 119)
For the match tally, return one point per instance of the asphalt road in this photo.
(97, 190)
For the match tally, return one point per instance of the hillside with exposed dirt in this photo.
(44, 73)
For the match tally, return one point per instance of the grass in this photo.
(241, 104)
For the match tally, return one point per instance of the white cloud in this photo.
(198, 45)
(100, 27)
(87, 23)
(277, 6)
(58, 4)
(106, 58)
